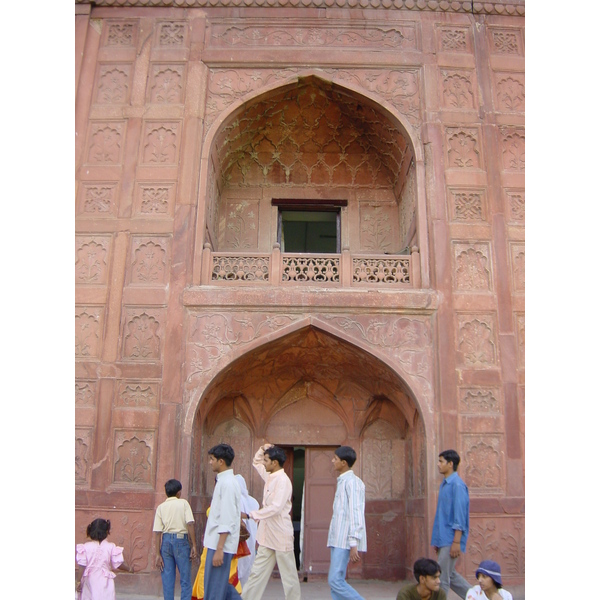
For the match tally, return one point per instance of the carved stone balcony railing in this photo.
(284, 269)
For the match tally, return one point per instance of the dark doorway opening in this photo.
(295, 471)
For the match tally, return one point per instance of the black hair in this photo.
(276, 453)
(451, 456)
(346, 453)
(98, 529)
(426, 566)
(172, 487)
(224, 451)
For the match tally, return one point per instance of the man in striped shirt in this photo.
(347, 534)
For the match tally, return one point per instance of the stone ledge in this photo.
(300, 299)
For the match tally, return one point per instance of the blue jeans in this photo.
(340, 588)
(175, 552)
(216, 579)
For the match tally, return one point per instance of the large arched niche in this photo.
(280, 379)
(311, 138)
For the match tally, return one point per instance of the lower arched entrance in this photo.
(309, 392)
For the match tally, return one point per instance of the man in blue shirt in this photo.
(451, 523)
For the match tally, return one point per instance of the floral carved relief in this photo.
(518, 266)
(106, 143)
(132, 532)
(501, 539)
(513, 148)
(467, 205)
(510, 91)
(166, 86)
(454, 39)
(83, 455)
(463, 148)
(143, 335)
(241, 225)
(484, 464)
(133, 457)
(88, 331)
(137, 394)
(479, 401)
(476, 340)
(515, 205)
(91, 254)
(457, 89)
(149, 261)
(98, 200)
(160, 143)
(120, 34)
(154, 200)
(506, 41)
(113, 84)
(289, 34)
(377, 222)
(172, 34)
(85, 393)
(472, 267)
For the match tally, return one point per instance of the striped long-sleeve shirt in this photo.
(347, 528)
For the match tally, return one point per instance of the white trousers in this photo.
(263, 566)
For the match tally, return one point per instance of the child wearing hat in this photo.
(490, 583)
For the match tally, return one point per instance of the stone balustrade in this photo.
(283, 269)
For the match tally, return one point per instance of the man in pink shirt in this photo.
(275, 535)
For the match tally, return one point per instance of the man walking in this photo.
(222, 531)
(347, 534)
(275, 535)
(451, 523)
(174, 530)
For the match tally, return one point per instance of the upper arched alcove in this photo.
(312, 141)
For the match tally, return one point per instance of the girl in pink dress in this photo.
(97, 559)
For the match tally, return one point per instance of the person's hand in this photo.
(218, 558)
(455, 550)
(354, 557)
(436, 549)
(78, 587)
(193, 553)
(158, 562)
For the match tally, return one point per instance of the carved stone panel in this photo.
(133, 457)
(143, 334)
(483, 465)
(166, 83)
(91, 259)
(172, 34)
(454, 39)
(241, 225)
(150, 260)
(479, 401)
(463, 148)
(517, 257)
(83, 455)
(458, 90)
(476, 346)
(510, 91)
(137, 394)
(119, 33)
(467, 205)
(88, 332)
(106, 141)
(85, 392)
(512, 140)
(154, 200)
(500, 538)
(113, 85)
(472, 267)
(160, 143)
(378, 226)
(506, 42)
(98, 199)
(514, 201)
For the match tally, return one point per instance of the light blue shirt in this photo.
(452, 513)
(224, 515)
(347, 528)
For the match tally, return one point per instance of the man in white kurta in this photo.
(275, 535)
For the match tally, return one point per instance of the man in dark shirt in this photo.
(427, 573)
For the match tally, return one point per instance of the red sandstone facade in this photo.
(200, 127)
